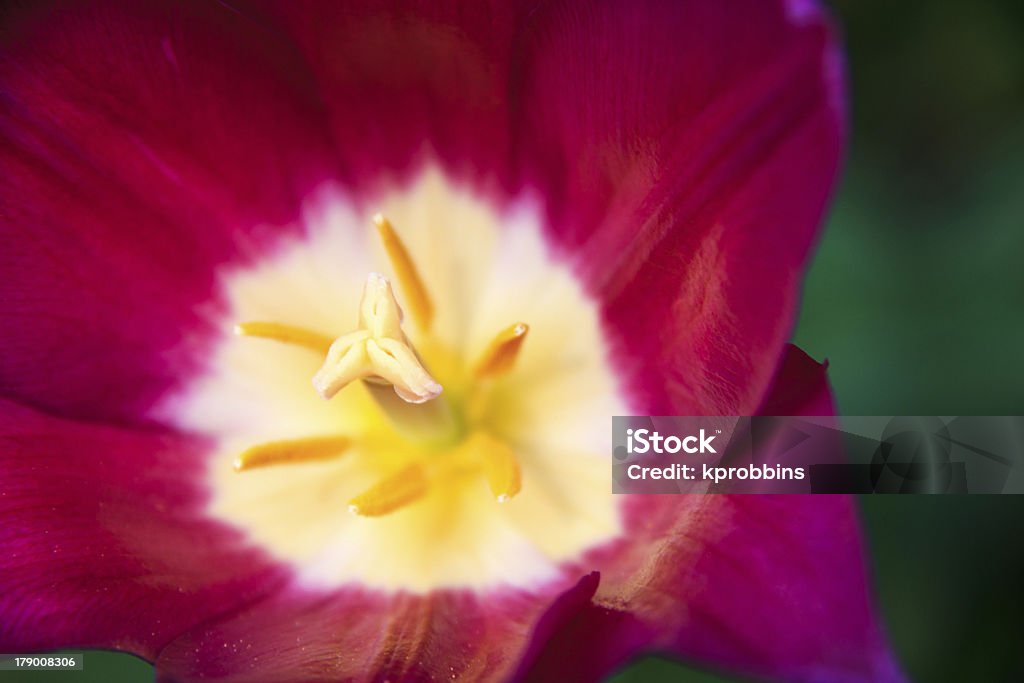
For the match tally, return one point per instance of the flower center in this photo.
(380, 354)
(522, 419)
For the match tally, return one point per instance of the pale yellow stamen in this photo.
(417, 299)
(500, 465)
(287, 334)
(377, 352)
(291, 451)
(392, 493)
(500, 355)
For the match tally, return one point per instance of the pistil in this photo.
(377, 351)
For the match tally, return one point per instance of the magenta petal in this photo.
(771, 587)
(577, 640)
(105, 539)
(141, 145)
(783, 594)
(406, 81)
(775, 587)
(687, 151)
(356, 634)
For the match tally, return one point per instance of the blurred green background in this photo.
(915, 297)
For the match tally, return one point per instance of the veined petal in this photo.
(143, 145)
(686, 179)
(774, 587)
(361, 635)
(105, 541)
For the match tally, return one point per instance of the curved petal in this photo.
(770, 586)
(141, 145)
(360, 635)
(578, 640)
(800, 387)
(100, 552)
(686, 151)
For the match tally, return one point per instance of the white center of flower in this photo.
(455, 449)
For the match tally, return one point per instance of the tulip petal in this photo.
(577, 640)
(773, 587)
(686, 151)
(143, 145)
(356, 634)
(800, 387)
(106, 543)
(411, 82)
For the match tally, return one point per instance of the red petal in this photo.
(687, 151)
(141, 145)
(577, 640)
(105, 541)
(360, 635)
(410, 81)
(769, 586)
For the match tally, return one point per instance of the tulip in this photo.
(316, 314)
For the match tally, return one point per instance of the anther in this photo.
(392, 493)
(500, 355)
(416, 297)
(288, 334)
(291, 451)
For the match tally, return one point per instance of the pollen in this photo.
(420, 305)
(286, 334)
(397, 491)
(501, 354)
(291, 451)
(499, 464)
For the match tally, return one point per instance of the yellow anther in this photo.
(501, 353)
(417, 299)
(291, 451)
(287, 334)
(392, 493)
(500, 465)
(377, 352)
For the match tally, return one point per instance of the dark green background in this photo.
(916, 298)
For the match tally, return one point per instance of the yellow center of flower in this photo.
(453, 447)
(379, 353)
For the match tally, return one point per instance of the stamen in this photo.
(502, 352)
(291, 451)
(377, 352)
(392, 493)
(416, 296)
(500, 465)
(287, 334)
